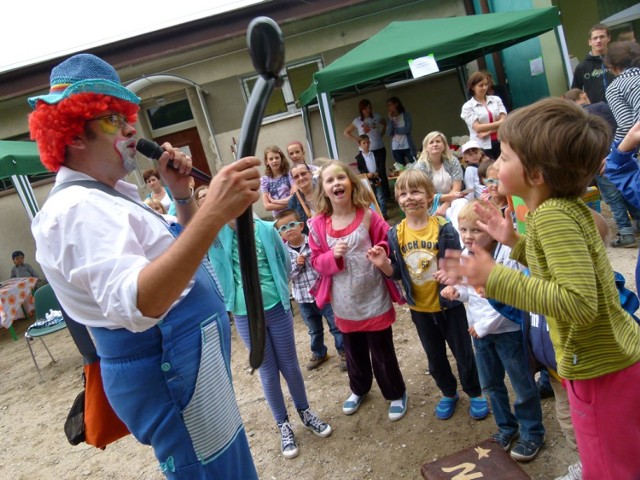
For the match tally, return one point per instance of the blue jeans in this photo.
(381, 168)
(620, 208)
(502, 352)
(382, 199)
(312, 317)
(403, 156)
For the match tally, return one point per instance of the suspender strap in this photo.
(106, 189)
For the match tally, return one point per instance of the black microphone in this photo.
(153, 151)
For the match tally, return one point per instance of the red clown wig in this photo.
(55, 126)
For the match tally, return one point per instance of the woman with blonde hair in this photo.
(444, 170)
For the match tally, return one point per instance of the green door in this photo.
(523, 88)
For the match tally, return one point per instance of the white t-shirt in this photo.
(371, 127)
(442, 181)
(480, 314)
(370, 161)
(398, 141)
(92, 246)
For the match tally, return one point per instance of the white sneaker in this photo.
(352, 404)
(288, 445)
(574, 473)
(313, 423)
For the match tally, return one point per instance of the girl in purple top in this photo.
(275, 185)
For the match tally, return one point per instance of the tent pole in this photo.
(212, 135)
(324, 102)
(25, 192)
(559, 31)
(463, 80)
(307, 133)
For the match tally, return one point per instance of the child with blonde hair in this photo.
(551, 150)
(415, 246)
(275, 185)
(500, 348)
(157, 206)
(341, 234)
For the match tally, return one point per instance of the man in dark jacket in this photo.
(591, 74)
(623, 212)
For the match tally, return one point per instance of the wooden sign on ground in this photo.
(485, 461)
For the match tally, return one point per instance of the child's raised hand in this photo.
(492, 222)
(444, 278)
(476, 268)
(300, 260)
(340, 249)
(450, 293)
(377, 255)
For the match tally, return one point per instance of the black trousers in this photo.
(494, 151)
(373, 350)
(436, 331)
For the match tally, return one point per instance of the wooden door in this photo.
(189, 140)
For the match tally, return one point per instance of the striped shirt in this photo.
(572, 283)
(623, 97)
(302, 277)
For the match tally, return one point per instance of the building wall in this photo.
(16, 229)
(434, 102)
(226, 102)
(577, 19)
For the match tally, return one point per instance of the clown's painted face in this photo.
(116, 126)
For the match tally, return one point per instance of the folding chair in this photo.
(45, 300)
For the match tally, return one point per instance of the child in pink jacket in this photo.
(340, 237)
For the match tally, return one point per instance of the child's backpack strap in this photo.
(628, 299)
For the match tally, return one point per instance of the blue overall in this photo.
(171, 385)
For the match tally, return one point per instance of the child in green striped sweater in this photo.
(550, 152)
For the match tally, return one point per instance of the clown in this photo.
(150, 301)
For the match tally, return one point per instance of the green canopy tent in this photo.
(454, 42)
(17, 161)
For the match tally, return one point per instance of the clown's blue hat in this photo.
(84, 73)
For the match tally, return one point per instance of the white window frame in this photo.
(287, 91)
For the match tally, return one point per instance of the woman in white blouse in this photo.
(483, 114)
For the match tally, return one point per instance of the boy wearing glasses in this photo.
(303, 277)
(488, 176)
